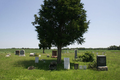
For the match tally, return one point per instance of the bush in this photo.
(87, 57)
(93, 65)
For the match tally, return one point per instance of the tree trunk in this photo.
(43, 50)
(59, 54)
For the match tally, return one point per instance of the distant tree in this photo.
(44, 45)
(114, 47)
(61, 23)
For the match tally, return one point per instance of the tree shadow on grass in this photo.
(41, 65)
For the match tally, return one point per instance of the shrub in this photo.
(93, 65)
(87, 57)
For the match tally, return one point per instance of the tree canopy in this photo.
(61, 23)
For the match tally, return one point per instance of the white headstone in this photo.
(32, 54)
(80, 67)
(39, 55)
(66, 63)
(7, 55)
(36, 59)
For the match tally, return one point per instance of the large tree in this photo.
(61, 23)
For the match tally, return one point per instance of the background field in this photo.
(15, 67)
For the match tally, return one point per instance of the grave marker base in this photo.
(102, 68)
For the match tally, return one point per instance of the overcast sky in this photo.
(17, 31)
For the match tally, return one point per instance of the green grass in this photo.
(15, 67)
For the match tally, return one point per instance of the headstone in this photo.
(7, 55)
(36, 59)
(76, 66)
(103, 53)
(96, 53)
(39, 55)
(17, 52)
(54, 54)
(67, 51)
(80, 67)
(66, 63)
(48, 55)
(31, 67)
(32, 54)
(22, 53)
(101, 62)
(75, 54)
(84, 67)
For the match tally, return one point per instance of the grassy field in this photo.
(15, 67)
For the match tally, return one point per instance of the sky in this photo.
(16, 30)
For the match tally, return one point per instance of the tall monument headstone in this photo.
(75, 54)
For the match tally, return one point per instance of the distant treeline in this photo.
(113, 47)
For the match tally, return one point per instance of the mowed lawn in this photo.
(16, 67)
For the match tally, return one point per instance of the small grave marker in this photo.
(76, 66)
(84, 67)
(32, 54)
(36, 59)
(80, 67)
(96, 53)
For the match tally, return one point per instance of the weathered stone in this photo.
(32, 54)
(102, 68)
(31, 67)
(76, 66)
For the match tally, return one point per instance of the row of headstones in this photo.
(20, 53)
(101, 61)
(76, 66)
